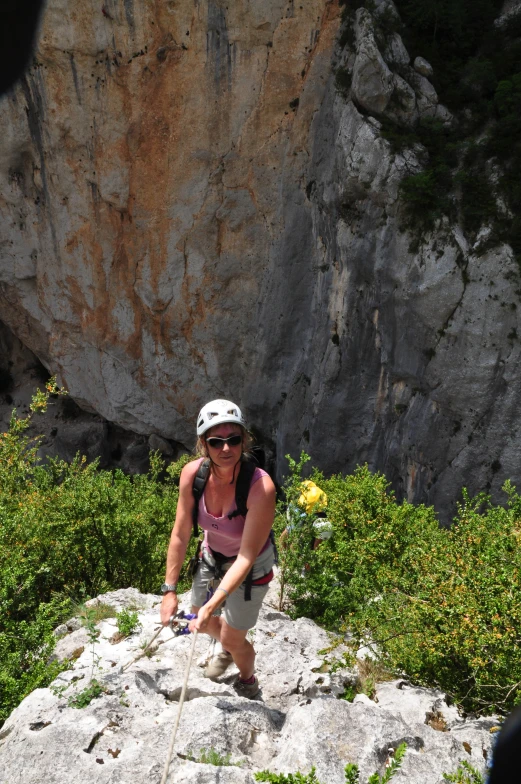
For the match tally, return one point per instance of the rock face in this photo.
(190, 209)
(372, 79)
(66, 429)
(123, 735)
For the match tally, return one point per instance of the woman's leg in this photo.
(214, 627)
(234, 641)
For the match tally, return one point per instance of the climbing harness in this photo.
(217, 561)
(181, 701)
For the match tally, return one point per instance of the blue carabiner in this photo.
(179, 623)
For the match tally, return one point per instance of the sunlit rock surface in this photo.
(296, 722)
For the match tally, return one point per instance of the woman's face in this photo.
(225, 454)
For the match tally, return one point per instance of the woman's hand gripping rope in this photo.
(201, 621)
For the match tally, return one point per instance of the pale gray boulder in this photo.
(328, 734)
(423, 67)
(416, 704)
(298, 721)
(70, 645)
(372, 83)
(126, 598)
(426, 95)
(403, 103)
(395, 52)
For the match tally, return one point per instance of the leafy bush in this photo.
(443, 606)
(352, 774)
(84, 697)
(127, 621)
(289, 778)
(425, 197)
(25, 647)
(69, 530)
(213, 757)
(93, 613)
(465, 774)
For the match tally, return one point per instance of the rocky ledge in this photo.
(298, 721)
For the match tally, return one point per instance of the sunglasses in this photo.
(218, 443)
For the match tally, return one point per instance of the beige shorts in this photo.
(236, 611)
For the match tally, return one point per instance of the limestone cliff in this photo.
(190, 208)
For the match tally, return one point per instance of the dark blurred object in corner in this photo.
(506, 757)
(18, 26)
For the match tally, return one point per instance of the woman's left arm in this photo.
(257, 527)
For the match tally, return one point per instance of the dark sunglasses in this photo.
(218, 443)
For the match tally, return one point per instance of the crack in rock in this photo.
(39, 725)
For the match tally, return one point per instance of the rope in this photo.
(143, 652)
(181, 700)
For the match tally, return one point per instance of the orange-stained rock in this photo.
(142, 193)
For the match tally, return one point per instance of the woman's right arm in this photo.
(179, 539)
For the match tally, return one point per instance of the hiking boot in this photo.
(218, 665)
(248, 690)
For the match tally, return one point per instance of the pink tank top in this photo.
(220, 533)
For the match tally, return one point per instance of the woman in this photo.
(245, 541)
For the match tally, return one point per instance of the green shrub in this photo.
(69, 530)
(351, 773)
(289, 778)
(84, 697)
(25, 647)
(212, 757)
(93, 613)
(478, 204)
(127, 621)
(441, 605)
(465, 774)
(399, 137)
(425, 200)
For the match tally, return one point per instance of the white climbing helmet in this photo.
(216, 412)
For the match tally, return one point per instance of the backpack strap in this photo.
(242, 487)
(200, 480)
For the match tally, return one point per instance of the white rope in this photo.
(144, 651)
(208, 656)
(181, 700)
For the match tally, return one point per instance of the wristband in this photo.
(224, 591)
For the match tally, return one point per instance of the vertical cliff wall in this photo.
(191, 209)
(146, 166)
